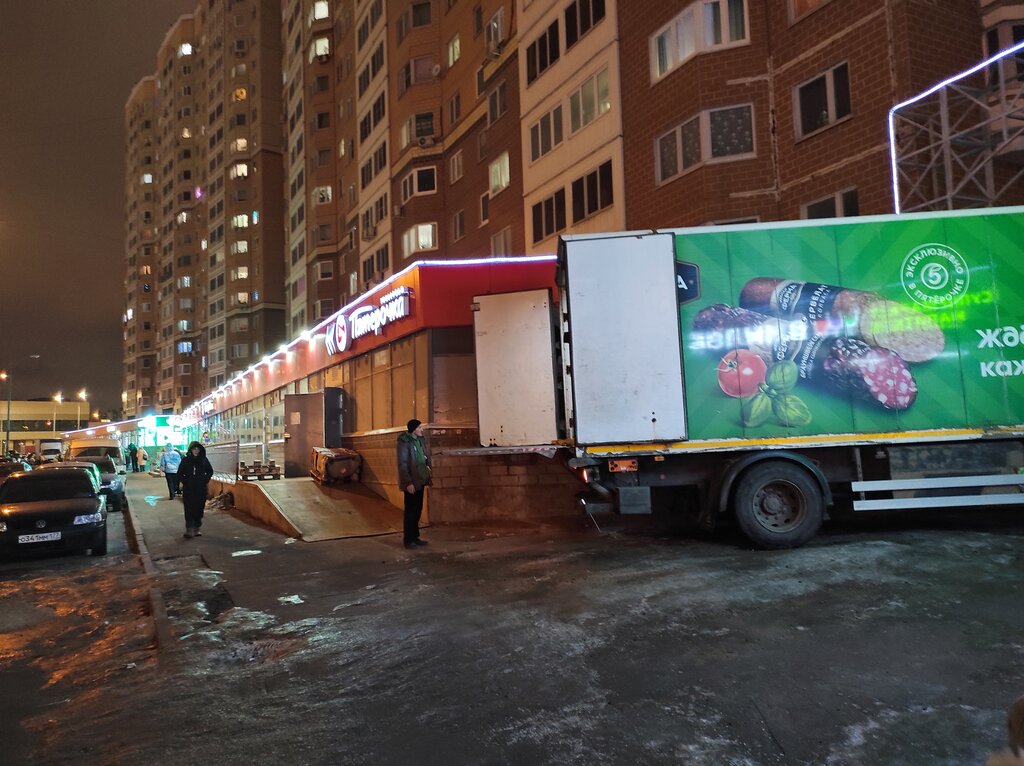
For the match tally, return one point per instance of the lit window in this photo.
(185, 347)
(454, 50)
(320, 10)
(589, 101)
(147, 178)
(184, 325)
(239, 145)
(182, 217)
(499, 174)
(184, 282)
(322, 194)
(320, 48)
(324, 270)
(239, 170)
(422, 236)
(242, 298)
(185, 49)
(203, 244)
(242, 246)
(242, 272)
(239, 221)
(186, 133)
(255, 217)
(239, 94)
(501, 243)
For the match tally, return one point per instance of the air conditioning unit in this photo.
(436, 71)
(369, 233)
(398, 211)
(425, 141)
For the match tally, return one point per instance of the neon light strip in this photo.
(925, 94)
(307, 335)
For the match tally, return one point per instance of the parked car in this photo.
(111, 481)
(8, 467)
(98, 447)
(58, 508)
(106, 476)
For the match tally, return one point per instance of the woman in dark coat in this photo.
(194, 473)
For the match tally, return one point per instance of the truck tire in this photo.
(778, 505)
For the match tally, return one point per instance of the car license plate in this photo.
(41, 538)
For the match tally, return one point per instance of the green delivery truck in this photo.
(777, 372)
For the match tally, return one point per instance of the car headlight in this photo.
(89, 518)
(3, 526)
(116, 485)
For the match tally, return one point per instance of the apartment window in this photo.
(422, 236)
(839, 205)
(240, 221)
(185, 49)
(485, 208)
(324, 270)
(478, 20)
(419, 126)
(715, 134)
(238, 170)
(239, 94)
(458, 226)
(702, 26)
(454, 50)
(322, 195)
(497, 103)
(241, 272)
(454, 108)
(241, 298)
(592, 192)
(542, 53)
(494, 34)
(800, 8)
(420, 14)
(239, 351)
(320, 49)
(823, 101)
(323, 308)
(185, 347)
(455, 167)
(501, 243)
(546, 134)
(241, 246)
(419, 69)
(323, 120)
(319, 11)
(580, 16)
(499, 174)
(589, 101)
(549, 216)
(419, 181)
(239, 145)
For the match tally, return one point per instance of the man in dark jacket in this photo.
(132, 458)
(194, 473)
(413, 476)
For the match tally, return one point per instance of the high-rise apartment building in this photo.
(204, 282)
(141, 246)
(299, 152)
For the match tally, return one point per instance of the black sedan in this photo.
(40, 510)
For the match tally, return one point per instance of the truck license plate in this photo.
(41, 538)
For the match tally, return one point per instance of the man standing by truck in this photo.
(413, 477)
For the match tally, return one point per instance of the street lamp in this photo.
(82, 397)
(5, 375)
(57, 398)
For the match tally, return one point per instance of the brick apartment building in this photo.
(299, 152)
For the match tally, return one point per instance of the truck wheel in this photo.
(778, 505)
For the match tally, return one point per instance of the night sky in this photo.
(66, 69)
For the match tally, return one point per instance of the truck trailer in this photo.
(777, 372)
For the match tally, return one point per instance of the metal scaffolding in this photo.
(960, 144)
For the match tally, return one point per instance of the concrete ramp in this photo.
(332, 512)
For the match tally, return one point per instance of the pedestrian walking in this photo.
(170, 461)
(142, 457)
(413, 477)
(194, 473)
(133, 458)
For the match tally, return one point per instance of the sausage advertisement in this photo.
(867, 326)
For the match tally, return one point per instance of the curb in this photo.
(157, 608)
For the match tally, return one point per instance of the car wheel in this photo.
(101, 548)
